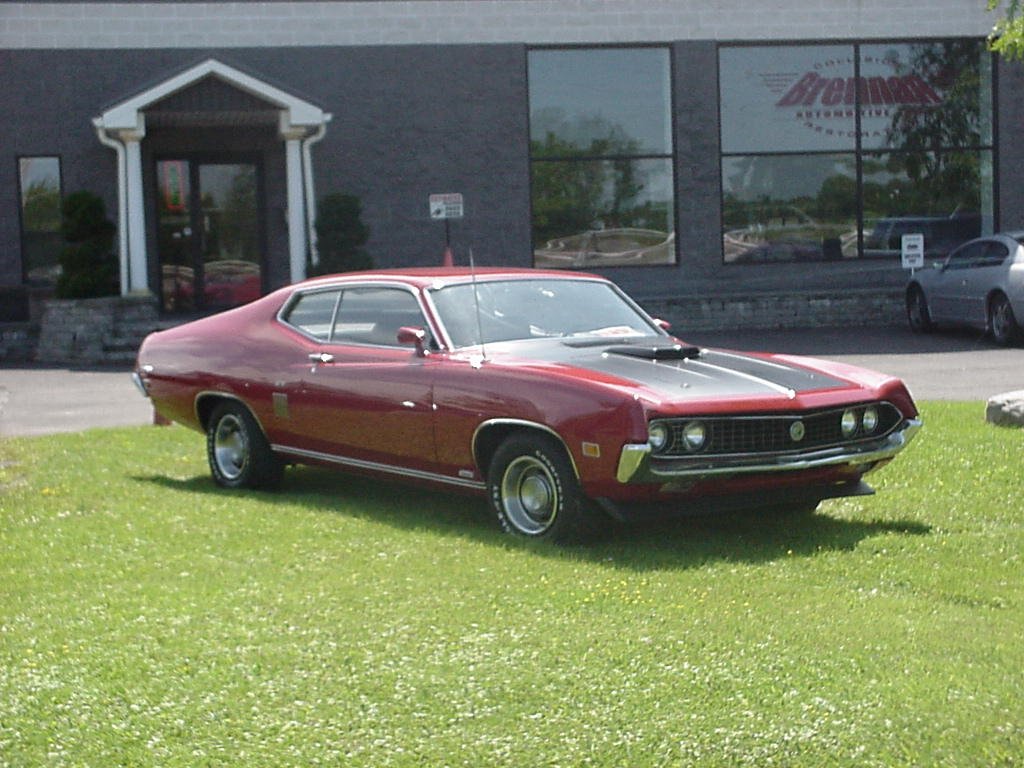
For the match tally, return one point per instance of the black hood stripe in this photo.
(711, 373)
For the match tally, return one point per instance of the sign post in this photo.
(445, 207)
(912, 251)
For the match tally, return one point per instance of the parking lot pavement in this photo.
(949, 365)
(942, 366)
(38, 401)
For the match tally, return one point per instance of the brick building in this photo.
(691, 151)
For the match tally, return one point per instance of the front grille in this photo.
(767, 434)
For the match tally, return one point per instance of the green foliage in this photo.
(88, 264)
(589, 182)
(149, 619)
(1007, 36)
(41, 207)
(340, 235)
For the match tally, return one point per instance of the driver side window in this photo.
(374, 315)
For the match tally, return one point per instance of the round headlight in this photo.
(657, 436)
(694, 436)
(870, 420)
(849, 423)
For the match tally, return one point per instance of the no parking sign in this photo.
(912, 251)
(446, 206)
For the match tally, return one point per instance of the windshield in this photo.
(529, 309)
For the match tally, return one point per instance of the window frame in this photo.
(669, 156)
(339, 290)
(859, 151)
(22, 229)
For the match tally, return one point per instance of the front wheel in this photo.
(534, 490)
(1001, 321)
(918, 315)
(237, 450)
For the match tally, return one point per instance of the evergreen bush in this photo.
(340, 234)
(88, 264)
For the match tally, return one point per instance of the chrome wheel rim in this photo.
(529, 495)
(230, 447)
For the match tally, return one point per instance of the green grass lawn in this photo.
(148, 618)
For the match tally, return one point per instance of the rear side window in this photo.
(995, 255)
(313, 313)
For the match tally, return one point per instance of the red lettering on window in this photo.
(799, 91)
(878, 91)
(834, 92)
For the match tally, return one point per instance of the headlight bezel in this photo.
(657, 436)
(870, 419)
(694, 436)
(849, 423)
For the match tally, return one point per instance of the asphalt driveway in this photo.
(941, 366)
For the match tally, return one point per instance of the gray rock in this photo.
(1006, 410)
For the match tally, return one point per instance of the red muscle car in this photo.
(551, 392)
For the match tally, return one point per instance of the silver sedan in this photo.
(980, 284)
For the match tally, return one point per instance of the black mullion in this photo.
(596, 158)
(858, 158)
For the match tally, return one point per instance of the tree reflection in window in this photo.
(602, 181)
(921, 161)
(41, 239)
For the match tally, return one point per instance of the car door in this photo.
(947, 295)
(360, 397)
(982, 275)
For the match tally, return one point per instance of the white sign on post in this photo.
(912, 251)
(446, 206)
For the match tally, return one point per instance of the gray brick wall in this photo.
(248, 24)
(1010, 98)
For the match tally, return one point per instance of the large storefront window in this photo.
(833, 152)
(41, 240)
(601, 157)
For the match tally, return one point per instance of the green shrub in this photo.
(340, 233)
(88, 264)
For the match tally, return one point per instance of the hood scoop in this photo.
(655, 352)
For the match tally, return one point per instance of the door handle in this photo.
(321, 357)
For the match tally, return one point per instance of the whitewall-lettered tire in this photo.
(237, 449)
(534, 490)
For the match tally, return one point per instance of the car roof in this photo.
(426, 277)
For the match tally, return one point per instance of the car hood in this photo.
(673, 370)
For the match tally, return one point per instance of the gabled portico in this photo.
(123, 127)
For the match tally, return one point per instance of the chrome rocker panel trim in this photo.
(638, 465)
(373, 466)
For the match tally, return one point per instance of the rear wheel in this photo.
(534, 490)
(918, 316)
(238, 452)
(1001, 320)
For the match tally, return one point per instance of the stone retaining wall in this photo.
(108, 331)
(105, 331)
(805, 309)
(18, 342)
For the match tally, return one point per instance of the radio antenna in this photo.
(476, 306)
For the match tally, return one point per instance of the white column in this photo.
(296, 206)
(136, 204)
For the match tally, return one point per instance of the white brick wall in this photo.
(238, 24)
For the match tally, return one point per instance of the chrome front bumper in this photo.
(638, 465)
(139, 383)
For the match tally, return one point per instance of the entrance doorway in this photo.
(209, 238)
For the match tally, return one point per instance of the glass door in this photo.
(208, 235)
